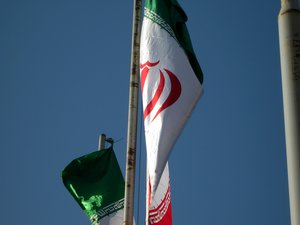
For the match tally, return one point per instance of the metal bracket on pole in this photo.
(102, 140)
(110, 141)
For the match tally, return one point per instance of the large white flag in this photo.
(171, 83)
(170, 80)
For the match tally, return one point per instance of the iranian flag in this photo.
(96, 183)
(171, 84)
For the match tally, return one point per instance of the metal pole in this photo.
(147, 196)
(132, 114)
(289, 38)
(102, 139)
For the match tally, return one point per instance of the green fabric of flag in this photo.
(172, 14)
(95, 181)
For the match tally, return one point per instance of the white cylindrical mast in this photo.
(132, 114)
(102, 139)
(289, 38)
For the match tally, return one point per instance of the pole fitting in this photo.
(289, 4)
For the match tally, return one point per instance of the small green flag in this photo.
(95, 181)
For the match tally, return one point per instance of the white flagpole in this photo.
(289, 37)
(132, 114)
(102, 139)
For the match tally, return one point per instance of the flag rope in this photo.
(139, 162)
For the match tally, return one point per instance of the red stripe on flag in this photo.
(158, 92)
(174, 93)
(145, 70)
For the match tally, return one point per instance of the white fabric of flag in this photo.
(170, 91)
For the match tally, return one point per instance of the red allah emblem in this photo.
(175, 89)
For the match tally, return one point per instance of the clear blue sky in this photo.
(64, 79)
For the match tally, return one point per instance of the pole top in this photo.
(289, 4)
(102, 139)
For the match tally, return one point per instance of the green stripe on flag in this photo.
(169, 14)
(95, 181)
